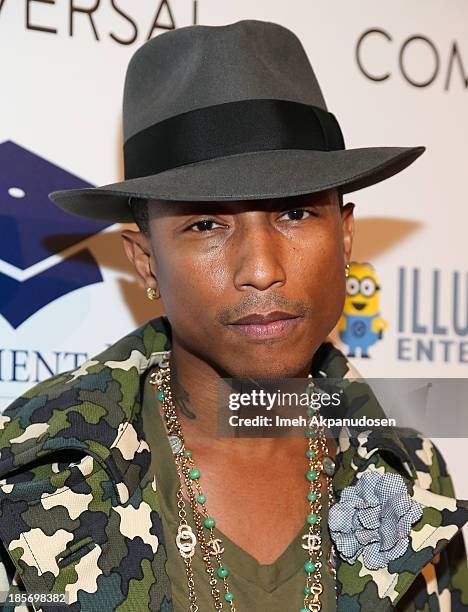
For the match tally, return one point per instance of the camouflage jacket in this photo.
(79, 510)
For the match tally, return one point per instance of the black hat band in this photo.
(231, 128)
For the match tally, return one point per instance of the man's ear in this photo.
(347, 220)
(138, 250)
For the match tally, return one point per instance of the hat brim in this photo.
(246, 176)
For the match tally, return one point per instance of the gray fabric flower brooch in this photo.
(373, 517)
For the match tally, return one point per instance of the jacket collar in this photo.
(102, 402)
(358, 399)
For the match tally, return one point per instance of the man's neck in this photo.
(196, 388)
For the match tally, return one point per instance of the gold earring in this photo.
(152, 294)
(347, 270)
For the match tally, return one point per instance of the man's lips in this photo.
(273, 325)
(261, 318)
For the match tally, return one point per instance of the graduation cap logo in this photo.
(36, 236)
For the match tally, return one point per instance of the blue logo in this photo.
(432, 315)
(36, 236)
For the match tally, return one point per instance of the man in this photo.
(235, 172)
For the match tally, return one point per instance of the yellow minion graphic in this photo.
(360, 325)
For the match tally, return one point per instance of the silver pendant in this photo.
(186, 540)
(328, 465)
(176, 444)
(216, 546)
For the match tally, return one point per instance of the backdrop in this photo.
(394, 73)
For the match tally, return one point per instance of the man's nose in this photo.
(259, 257)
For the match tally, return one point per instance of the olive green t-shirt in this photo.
(276, 587)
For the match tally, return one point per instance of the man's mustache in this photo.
(256, 305)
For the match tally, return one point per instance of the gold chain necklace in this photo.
(211, 547)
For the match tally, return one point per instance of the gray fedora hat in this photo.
(232, 112)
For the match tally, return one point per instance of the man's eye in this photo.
(203, 225)
(297, 214)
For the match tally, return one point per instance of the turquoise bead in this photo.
(194, 473)
(312, 518)
(160, 395)
(187, 453)
(201, 499)
(309, 432)
(310, 412)
(303, 610)
(311, 475)
(222, 572)
(309, 567)
(307, 590)
(209, 522)
(229, 596)
(310, 453)
(311, 496)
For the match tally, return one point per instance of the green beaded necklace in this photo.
(210, 545)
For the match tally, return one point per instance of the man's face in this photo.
(215, 263)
